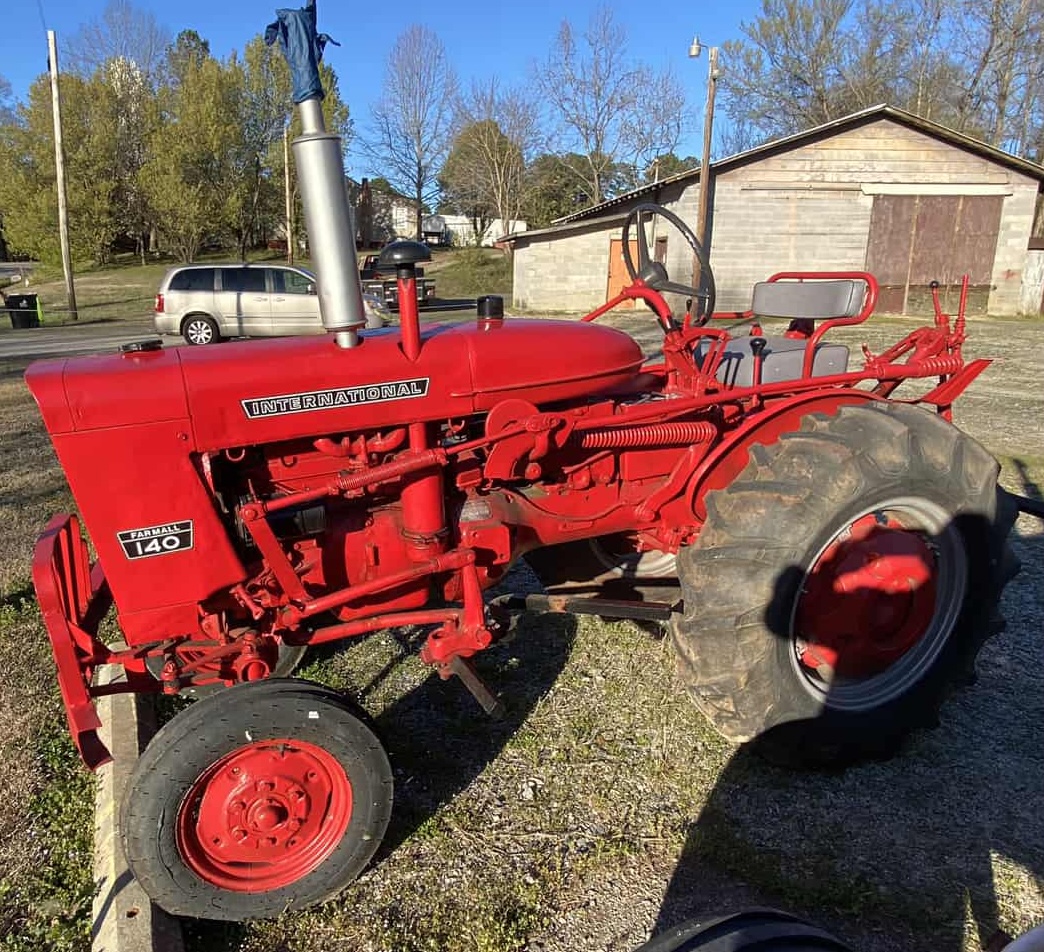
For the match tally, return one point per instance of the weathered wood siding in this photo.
(1032, 301)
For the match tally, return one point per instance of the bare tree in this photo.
(413, 121)
(1000, 46)
(124, 32)
(497, 135)
(976, 66)
(606, 107)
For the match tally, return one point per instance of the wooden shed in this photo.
(881, 190)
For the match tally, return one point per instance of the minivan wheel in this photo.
(199, 329)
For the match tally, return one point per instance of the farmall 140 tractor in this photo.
(829, 557)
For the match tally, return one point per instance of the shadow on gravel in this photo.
(438, 737)
(904, 854)
(1029, 487)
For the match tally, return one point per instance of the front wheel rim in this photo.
(199, 332)
(878, 603)
(264, 816)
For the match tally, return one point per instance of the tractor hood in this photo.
(249, 392)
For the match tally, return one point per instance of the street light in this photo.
(695, 49)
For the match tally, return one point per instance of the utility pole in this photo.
(708, 128)
(59, 164)
(705, 169)
(288, 196)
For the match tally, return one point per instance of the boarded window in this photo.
(917, 239)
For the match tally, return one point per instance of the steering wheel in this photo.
(654, 274)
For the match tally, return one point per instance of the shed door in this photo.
(618, 276)
(917, 239)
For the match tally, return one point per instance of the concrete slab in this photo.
(124, 919)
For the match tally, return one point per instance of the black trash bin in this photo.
(22, 308)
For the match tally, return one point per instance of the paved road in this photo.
(99, 337)
(71, 339)
(15, 269)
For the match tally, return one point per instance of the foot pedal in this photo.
(480, 691)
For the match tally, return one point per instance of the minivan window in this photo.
(290, 282)
(193, 279)
(243, 279)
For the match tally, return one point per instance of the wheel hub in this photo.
(867, 600)
(264, 815)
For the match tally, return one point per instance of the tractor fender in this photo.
(728, 459)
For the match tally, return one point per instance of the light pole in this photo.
(708, 126)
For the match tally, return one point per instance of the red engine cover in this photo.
(129, 429)
(265, 391)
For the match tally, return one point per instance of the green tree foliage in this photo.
(192, 152)
(7, 113)
(552, 189)
(485, 173)
(188, 49)
(90, 118)
(189, 150)
(463, 190)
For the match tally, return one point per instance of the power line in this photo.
(43, 18)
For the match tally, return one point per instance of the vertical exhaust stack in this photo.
(320, 168)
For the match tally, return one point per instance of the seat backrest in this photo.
(812, 299)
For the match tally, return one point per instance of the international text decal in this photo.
(335, 398)
(156, 540)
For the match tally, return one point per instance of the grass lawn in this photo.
(46, 797)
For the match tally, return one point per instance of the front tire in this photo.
(199, 330)
(270, 796)
(842, 583)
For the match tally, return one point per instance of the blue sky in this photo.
(483, 39)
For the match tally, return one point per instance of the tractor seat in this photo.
(783, 356)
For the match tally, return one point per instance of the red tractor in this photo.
(829, 558)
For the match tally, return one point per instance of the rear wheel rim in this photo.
(199, 332)
(878, 604)
(264, 816)
(619, 555)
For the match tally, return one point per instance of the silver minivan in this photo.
(205, 303)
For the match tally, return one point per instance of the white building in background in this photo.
(459, 230)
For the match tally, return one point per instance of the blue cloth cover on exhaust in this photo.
(303, 47)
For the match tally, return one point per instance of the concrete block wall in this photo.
(758, 232)
(564, 271)
(1009, 265)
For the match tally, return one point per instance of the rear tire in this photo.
(270, 796)
(842, 583)
(198, 330)
(756, 930)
